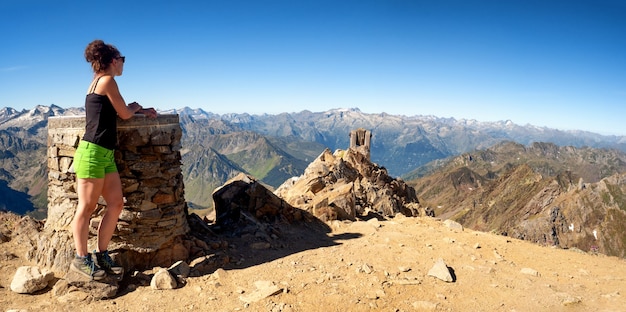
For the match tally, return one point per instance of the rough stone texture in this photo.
(529, 271)
(154, 216)
(180, 269)
(441, 271)
(360, 139)
(163, 280)
(263, 290)
(72, 282)
(451, 224)
(29, 279)
(346, 184)
(244, 196)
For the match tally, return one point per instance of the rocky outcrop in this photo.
(345, 185)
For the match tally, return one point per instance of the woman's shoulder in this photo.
(102, 84)
(106, 79)
(106, 82)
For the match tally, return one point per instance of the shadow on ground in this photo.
(252, 242)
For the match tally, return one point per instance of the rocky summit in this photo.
(345, 185)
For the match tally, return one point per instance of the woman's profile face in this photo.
(118, 65)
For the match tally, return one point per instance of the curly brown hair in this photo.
(100, 55)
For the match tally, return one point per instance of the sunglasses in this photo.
(123, 58)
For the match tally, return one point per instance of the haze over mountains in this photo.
(274, 148)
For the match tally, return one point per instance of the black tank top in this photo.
(101, 120)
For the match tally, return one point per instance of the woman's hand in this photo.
(134, 107)
(149, 112)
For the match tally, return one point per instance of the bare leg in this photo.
(112, 193)
(88, 193)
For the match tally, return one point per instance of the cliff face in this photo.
(589, 217)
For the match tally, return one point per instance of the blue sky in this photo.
(560, 64)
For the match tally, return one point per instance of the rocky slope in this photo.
(555, 196)
(363, 265)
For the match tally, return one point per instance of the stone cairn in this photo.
(151, 228)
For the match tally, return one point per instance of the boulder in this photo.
(244, 194)
(30, 279)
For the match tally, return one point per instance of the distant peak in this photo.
(341, 110)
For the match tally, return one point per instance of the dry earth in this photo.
(367, 266)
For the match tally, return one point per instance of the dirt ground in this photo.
(367, 266)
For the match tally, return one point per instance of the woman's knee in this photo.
(115, 206)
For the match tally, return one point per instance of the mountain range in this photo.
(274, 148)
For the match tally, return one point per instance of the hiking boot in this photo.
(86, 266)
(107, 264)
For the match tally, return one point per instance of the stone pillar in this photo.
(153, 223)
(360, 140)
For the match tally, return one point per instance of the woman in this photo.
(96, 173)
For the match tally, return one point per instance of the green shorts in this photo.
(93, 161)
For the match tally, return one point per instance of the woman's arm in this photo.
(110, 89)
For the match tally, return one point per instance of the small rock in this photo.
(220, 274)
(611, 295)
(529, 271)
(163, 280)
(264, 289)
(29, 279)
(374, 223)
(260, 245)
(453, 225)
(204, 265)
(441, 271)
(6, 256)
(570, 301)
(73, 297)
(180, 269)
(497, 255)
